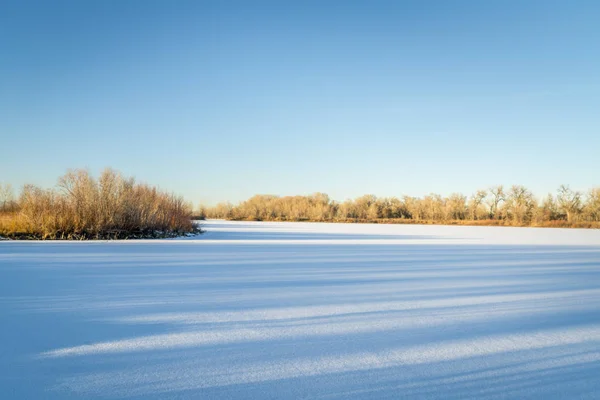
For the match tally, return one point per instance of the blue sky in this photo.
(222, 100)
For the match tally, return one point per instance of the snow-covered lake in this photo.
(292, 310)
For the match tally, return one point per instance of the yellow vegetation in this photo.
(83, 207)
(515, 206)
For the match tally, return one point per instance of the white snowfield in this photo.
(254, 310)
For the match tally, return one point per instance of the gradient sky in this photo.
(222, 100)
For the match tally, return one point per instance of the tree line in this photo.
(515, 205)
(83, 207)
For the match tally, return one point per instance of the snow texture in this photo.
(299, 310)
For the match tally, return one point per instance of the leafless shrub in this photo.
(87, 208)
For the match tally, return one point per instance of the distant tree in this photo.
(569, 202)
(397, 208)
(374, 211)
(520, 204)
(201, 213)
(347, 210)
(415, 208)
(456, 206)
(592, 205)
(549, 209)
(497, 196)
(7, 197)
(320, 207)
(363, 205)
(475, 205)
(433, 207)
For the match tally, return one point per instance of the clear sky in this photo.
(222, 100)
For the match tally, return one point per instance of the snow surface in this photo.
(296, 310)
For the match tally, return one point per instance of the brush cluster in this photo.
(83, 207)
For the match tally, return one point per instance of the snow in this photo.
(299, 310)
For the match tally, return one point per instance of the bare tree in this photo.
(456, 206)
(569, 202)
(520, 204)
(7, 197)
(475, 204)
(592, 206)
(363, 205)
(497, 196)
(548, 210)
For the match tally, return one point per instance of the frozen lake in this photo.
(293, 310)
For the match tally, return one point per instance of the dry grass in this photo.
(111, 207)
